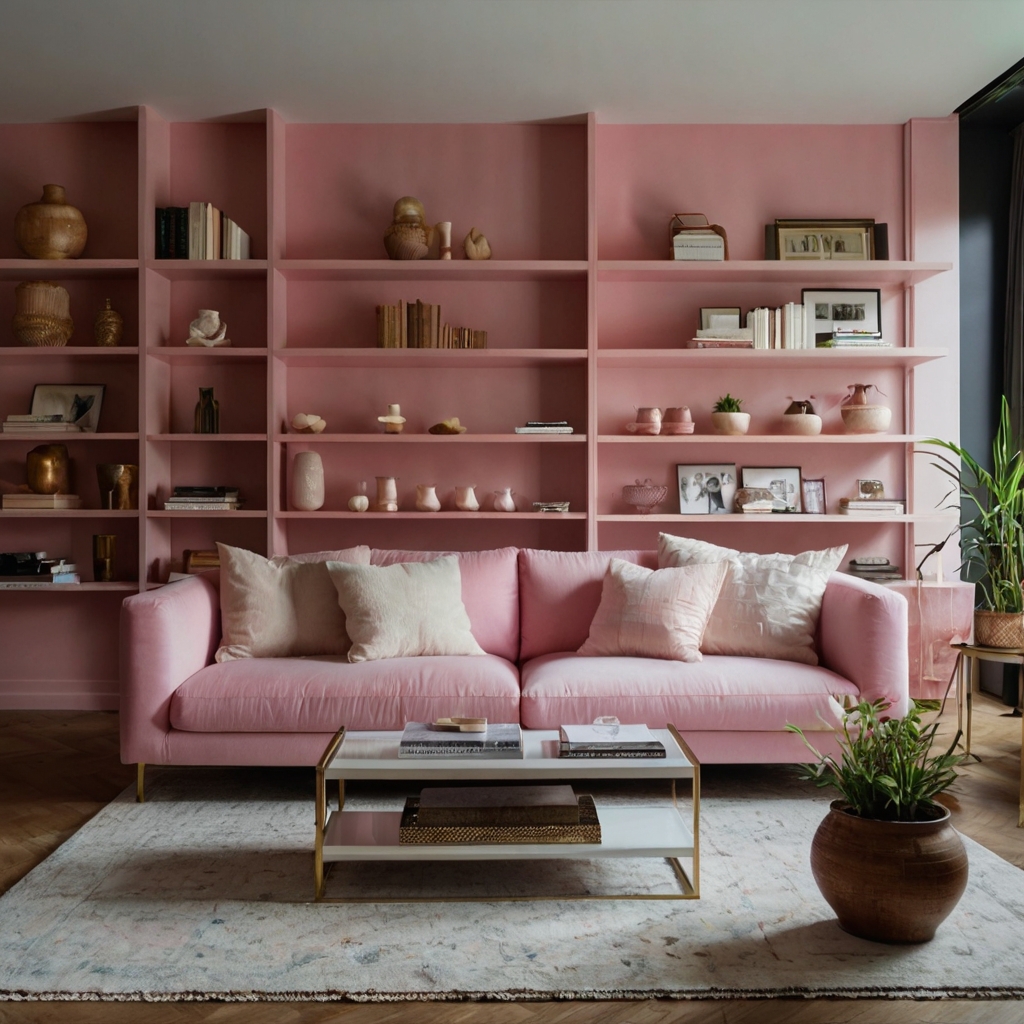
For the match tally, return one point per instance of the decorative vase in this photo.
(465, 499)
(119, 485)
(408, 237)
(49, 469)
(359, 502)
(677, 420)
(648, 421)
(998, 629)
(42, 314)
(426, 498)
(730, 422)
(890, 881)
(308, 482)
(108, 326)
(800, 419)
(394, 421)
(50, 229)
(104, 550)
(859, 417)
(208, 330)
(503, 500)
(645, 496)
(387, 494)
(207, 413)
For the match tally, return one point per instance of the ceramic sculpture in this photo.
(49, 469)
(394, 421)
(409, 236)
(860, 417)
(50, 229)
(648, 421)
(208, 330)
(359, 502)
(448, 426)
(308, 423)
(444, 229)
(387, 494)
(677, 420)
(800, 419)
(503, 500)
(426, 498)
(476, 245)
(308, 482)
(465, 499)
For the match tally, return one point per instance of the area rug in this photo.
(204, 892)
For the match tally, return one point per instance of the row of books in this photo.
(418, 325)
(25, 500)
(781, 328)
(29, 424)
(203, 499)
(871, 506)
(874, 567)
(545, 427)
(199, 231)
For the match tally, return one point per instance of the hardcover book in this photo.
(420, 739)
(498, 805)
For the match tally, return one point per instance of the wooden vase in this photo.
(50, 229)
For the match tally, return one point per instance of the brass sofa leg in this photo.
(140, 782)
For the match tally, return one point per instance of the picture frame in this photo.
(870, 490)
(717, 312)
(813, 492)
(834, 309)
(706, 489)
(782, 481)
(77, 403)
(841, 239)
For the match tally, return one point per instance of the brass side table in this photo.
(968, 657)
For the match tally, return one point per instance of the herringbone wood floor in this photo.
(57, 769)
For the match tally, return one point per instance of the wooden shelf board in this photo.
(761, 439)
(15, 353)
(66, 438)
(429, 438)
(733, 359)
(68, 513)
(57, 270)
(196, 354)
(206, 437)
(807, 273)
(432, 270)
(483, 358)
(207, 270)
(73, 588)
(773, 520)
(446, 514)
(161, 513)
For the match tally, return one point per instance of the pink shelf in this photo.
(809, 273)
(449, 514)
(44, 352)
(733, 359)
(432, 270)
(200, 356)
(68, 513)
(207, 270)
(486, 358)
(857, 439)
(19, 269)
(73, 588)
(206, 437)
(160, 513)
(62, 437)
(429, 438)
(774, 520)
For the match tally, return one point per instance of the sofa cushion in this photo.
(404, 611)
(559, 593)
(718, 693)
(490, 592)
(322, 694)
(281, 607)
(769, 604)
(653, 613)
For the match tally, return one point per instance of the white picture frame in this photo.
(832, 309)
(706, 489)
(783, 481)
(68, 401)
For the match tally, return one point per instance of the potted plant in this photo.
(728, 417)
(992, 540)
(886, 858)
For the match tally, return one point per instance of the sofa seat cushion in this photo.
(322, 694)
(718, 693)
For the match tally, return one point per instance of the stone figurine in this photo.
(208, 330)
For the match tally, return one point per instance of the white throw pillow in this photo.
(405, 610)
(769, 604)
(653, 613)
(284, 607)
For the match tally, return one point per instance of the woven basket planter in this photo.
(999, 629)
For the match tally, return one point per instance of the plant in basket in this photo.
(886, 858)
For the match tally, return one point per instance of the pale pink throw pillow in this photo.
(654, 613)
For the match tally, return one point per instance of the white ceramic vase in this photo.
(730, 422)
(465, 499)
(387, 494)
(427, 499)
(503, 500)
(308, 482)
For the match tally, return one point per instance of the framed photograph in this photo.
(841, 309)
(782, 481)
(814, 497)
(77, 403)
(824, 239)
(870, 489)
(706, 490)
(720, 316)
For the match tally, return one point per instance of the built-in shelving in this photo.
(455, 439)
(432, 270)
(805, 273)
(416, 358)
(781, 360)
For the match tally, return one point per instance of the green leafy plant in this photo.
(728, 404)
(993, 538)
(886, 770)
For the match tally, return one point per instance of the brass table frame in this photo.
(689, 889)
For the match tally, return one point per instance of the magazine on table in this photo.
(501, 739)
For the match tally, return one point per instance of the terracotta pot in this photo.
(890, 881)
(999, 629)
(50, 229)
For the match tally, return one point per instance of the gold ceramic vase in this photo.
(108, 326)
(49, 469)
(50, 229)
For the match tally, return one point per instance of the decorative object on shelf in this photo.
(444, 230)
(859, 417)
(693, 238)
(476, 246)
(448, 426)
(644, 496)
(49, 469)
(720, 318)
(104, 550)
(879, 248)
(42, 314)
(119, 485)
(842, 318)
(782, 481)
(394, 421)
(465, 498)
(648, 421)
(359, 502)
(755, 500)
(308, 481)
(50, 229)
(728, 417)
(800, 419)
(707, 489)
(409, 236)
(207, 418)
(108, 327)
(427, 499)
(677, 420)
(551, 506)
(886, 858)
(218, 498)
(545, 427)
(208, 330)
(503, 500)
(308, 423)
(813, 492)
(824, 239)
(387, 494)
(74, 403)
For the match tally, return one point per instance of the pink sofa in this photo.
(530, 610)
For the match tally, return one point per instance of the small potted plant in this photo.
(728, 417)
(886, 858)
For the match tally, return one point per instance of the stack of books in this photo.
(41, 501)
(199, 231)
(698, 244)
(782, 328)
(877, 568)
(871, 507)
(608, 741)
(29, 569)
(551, 506)
(28, 424)
(418, 325)
(851, 339)
(195, 561)
(203, 499)
(421, 739)
(545, 427)
(723, 337)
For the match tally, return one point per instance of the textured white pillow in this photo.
(283, 607)
(405, 610)
(653, 613)
(769, 604)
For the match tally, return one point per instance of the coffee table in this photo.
(659, 831)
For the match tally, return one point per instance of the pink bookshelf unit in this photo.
(586, 317)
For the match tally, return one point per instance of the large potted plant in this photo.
(993, 538)
(886, 858)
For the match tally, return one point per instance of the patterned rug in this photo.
(204, 892)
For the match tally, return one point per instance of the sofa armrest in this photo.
(167, 635)
(864, 635)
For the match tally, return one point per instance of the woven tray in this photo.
(587, 831)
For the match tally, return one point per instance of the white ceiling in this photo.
(742, 61)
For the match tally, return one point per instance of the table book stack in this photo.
(17, 423)
(871, 507)
(499, 739)
(203, 499)
(608, 741)
(545, 427)
(41, 502)
(25, 570)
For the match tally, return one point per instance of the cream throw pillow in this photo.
(283, 607)
(654, 613)
(769, 604)
(405, 610)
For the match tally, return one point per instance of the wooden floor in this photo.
(57, 769)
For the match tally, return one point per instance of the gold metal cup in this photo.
(104, 547)
(119, 485)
